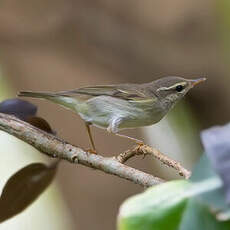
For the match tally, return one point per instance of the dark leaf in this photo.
(217, 147)
(24, 187)
(41, 124)
(19, 108)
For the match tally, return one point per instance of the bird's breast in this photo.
(102, 110)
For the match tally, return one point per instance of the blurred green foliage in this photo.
(223, 9)
(178, 205)
(4, 88)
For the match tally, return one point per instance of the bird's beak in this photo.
(197, 81)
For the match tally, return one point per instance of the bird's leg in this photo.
(137, 141)
(93, 150)
(114, 128)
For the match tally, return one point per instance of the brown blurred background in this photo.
(65, 44)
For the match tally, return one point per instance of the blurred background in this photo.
(65, 44)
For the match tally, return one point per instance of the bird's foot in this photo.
(139, 142)
(91, 151)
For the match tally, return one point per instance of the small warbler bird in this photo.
(122, 106)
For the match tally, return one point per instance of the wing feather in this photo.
(118, 91)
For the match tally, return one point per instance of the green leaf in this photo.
(202, 173)
(217, 147)
(160, 207)
(178, 205)
(198, 216)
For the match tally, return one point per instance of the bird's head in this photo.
(171, 89)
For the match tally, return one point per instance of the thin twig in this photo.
(55, 147)
(147, 150)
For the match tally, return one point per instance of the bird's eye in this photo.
(179, 88)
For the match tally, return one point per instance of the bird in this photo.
(121, 106)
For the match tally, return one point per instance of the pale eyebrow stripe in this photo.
(183, 83)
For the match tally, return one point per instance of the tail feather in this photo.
(35, 94)
(71, 103)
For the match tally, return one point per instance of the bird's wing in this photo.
(123, 92)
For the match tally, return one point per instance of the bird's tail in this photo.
(68, 102)
(36, 94)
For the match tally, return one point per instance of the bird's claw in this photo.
(139, 143)
(91, 151)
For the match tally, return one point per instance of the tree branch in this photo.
(147, 150)
(57, 148)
